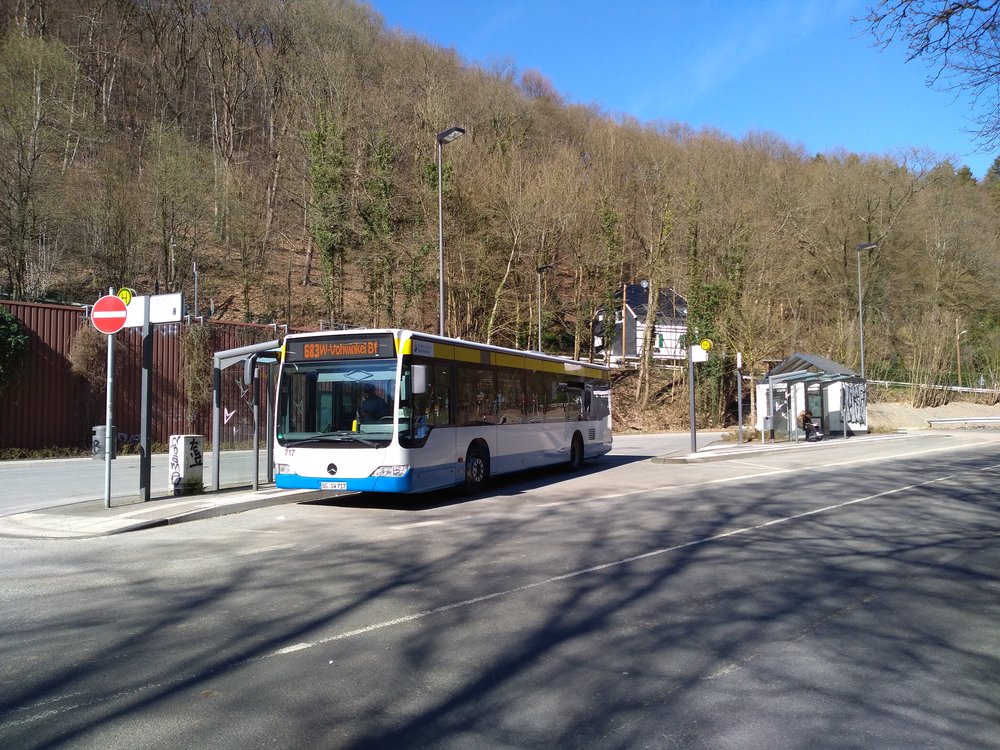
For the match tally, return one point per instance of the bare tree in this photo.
(959, 39)
(177, 173)
(115, 232)
(229, 61)
(33, 120)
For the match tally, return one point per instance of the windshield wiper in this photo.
(332, 439)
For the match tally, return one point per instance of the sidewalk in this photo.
(91, 518)
(728, 451)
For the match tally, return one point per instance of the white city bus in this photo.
(399, 411)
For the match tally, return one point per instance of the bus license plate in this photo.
(333, 485)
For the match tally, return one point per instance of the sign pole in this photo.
(108, 436)
(145, 439)
(108, 316)
(739, 395)
(694, 429)
(697, 353)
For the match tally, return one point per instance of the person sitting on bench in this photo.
(805, 419)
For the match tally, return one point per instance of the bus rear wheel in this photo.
(576, 453)
(477, 469)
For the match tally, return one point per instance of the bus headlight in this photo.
(390, 471)
(283, 469)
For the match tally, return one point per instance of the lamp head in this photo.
(450, 134)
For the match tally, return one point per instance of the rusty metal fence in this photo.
(48, 406)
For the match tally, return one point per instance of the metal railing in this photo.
(964, 420)
(936, 387)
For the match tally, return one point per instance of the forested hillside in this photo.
(288, 149)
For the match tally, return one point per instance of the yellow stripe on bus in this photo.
(509, 360)
(545, 365)
(500, 359)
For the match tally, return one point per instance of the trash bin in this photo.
(186, 464)
(768, 430)
(97, 443)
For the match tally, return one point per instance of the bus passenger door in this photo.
(432, 456)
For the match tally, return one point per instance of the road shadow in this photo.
(505, 485)
(644, 623)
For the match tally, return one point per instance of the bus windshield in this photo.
(336, 401)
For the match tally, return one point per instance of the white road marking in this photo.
(751, 464)
(418, 524)
(258, 550)
(292, 649)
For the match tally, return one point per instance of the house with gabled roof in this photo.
(632, 313)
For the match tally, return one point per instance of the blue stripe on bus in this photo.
(365, 484)
(427, 478)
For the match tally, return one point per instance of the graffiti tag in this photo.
(855, 397)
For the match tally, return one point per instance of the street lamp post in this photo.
(861, 316)
(958, 351)
(540, 270)
(442, 138)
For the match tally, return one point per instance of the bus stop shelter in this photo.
(834, 393)
(251, 358)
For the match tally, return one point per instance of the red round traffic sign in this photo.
(109, 314)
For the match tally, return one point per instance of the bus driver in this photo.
(373, 406)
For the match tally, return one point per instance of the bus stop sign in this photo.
(108, 314)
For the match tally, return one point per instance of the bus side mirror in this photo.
(249, 365)
(249, 375)
(419, 385)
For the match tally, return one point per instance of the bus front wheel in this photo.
(477, 468)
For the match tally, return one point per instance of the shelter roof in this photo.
(799, 367)
(228, 357)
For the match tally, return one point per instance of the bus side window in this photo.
(534, 397)
(601, 402)
(574, 401)
(510, 388)
(555, 397)
(440, 401)
(476, 395)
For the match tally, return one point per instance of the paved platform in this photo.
(91, 518)
(723, 451)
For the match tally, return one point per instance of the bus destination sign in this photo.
(377, 346)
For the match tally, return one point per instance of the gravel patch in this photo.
(900, 416)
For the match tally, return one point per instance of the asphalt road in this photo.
(840, 596)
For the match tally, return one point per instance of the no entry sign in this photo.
(109, 314)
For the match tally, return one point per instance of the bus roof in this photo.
(404, 336)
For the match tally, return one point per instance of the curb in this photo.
(87, 520)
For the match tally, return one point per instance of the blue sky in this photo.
(797, 68)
